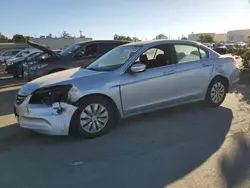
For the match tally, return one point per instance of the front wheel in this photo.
(216, 93)
(94, 117)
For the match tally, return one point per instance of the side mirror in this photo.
(138, 67)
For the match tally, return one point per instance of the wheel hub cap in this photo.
(217, 92)
(94, 118)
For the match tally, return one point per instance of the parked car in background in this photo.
(220, 48)
(28, 61)
(8, 54)
(230, 47)
(80, 54)
(18, 66)
(128, 80)
(210, 45)
(19, 57)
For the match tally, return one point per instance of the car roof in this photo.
(158, 42)
(102, 41)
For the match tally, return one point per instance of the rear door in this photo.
(194, 69)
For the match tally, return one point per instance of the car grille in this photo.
(20, 99)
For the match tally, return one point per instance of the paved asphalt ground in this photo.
(187, 146)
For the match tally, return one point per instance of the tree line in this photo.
(136, 39)
(15, 38)
(205, 39)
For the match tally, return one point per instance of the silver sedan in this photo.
(130, 79)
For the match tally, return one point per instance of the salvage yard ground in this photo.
(186, 146)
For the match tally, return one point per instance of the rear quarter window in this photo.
(186, 53)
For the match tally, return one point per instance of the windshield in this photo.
(114, 59)
(7, 53)
(19, 54)
(31, 56)
(69, 50)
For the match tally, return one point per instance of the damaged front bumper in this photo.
(45, 119)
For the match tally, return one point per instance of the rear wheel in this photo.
(94, 117)
(216, 93)
(15, 73)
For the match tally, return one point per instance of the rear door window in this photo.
(187, 53)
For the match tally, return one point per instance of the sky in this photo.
(101, 19)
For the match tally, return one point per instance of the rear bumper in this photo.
(44, 119)
(234, 79)
(233, 87)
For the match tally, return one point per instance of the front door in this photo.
(194, 69)
(86, 56)
(152, 88)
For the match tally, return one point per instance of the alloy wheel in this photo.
(94, 118)
(217, 92)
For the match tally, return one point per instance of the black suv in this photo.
(76, 55)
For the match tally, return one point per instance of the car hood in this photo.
(14, 59)
(59, 78)
(42, 48)
(7, 57)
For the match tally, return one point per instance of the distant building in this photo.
(220, 37)
(230, 36)
(195, 36)
(238, 35)
(12, 45)
(217, 37)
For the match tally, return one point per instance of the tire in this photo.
(216, 93)
(15, 74)
(84, 126)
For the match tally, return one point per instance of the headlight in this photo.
(10, 63)
(39, 66)
(49, 95)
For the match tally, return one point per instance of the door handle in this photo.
(169, 72)
(206, 64)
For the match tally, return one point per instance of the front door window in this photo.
(155, 57)
(153, 87)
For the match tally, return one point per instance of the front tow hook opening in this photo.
(57, 108)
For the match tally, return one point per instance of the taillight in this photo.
(235, 63)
